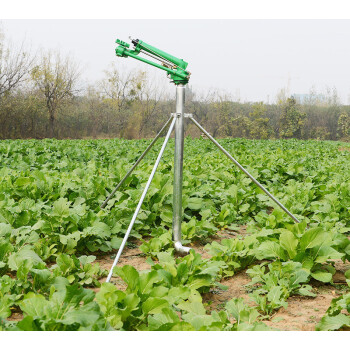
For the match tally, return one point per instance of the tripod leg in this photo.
(135, 165)
(141, 200)
(244, 170)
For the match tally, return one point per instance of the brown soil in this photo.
(16, 316)
(301, 314)
(235, 284)
(130, 256)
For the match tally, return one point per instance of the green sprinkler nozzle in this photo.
(175, 67)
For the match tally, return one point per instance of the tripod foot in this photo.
(181, 249)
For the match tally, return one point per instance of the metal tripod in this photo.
(177, 121)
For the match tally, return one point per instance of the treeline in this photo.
(42, 96)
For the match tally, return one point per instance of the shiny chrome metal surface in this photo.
(120, 250)
(135, 165)
(244, 170)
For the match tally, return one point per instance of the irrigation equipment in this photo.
(176, 69)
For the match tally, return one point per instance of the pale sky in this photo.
(250, 59)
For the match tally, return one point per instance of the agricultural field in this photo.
(251, 267)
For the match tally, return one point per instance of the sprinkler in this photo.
(175, 67)
(176, 71)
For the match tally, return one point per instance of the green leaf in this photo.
(332, 323)
(275, 295)
(269, 249)
(326, 252)
(322, 276)
(28, 324)
(289, 242)
(195, 203)
(154, 305)
(34, 305)
(116, 242)
(5, 229)
(131, 303)
(306, 291)
(66, 263)
(167, 216)
(147, 280)
(26, 254)
(196, 307)
(129, 275)
(299, 276)
(5, 304)
(241, 311)
(86, 316)
(313, 237)
(61, 207)
(167, 317)
(23, 218)
(87, 259)
(22, 182)
(243, 208)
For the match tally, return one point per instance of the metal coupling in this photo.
(180, 248)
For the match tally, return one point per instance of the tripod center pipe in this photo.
(178, 167)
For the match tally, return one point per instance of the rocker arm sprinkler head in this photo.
(175, 67)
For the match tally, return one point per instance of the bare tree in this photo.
(115, 92)
(147, 95)
(15, 64)
(117, 85)
(56, 78)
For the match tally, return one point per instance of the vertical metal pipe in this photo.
(245, 171)
(120, 250)
(178, 166)
(135, 165)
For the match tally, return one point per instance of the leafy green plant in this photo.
(275, 286)
(191, 271)
(80, 270)
(236, 253)
(50, 196)
(311, 247)
(246, 317)
(70, 307)
(338, 314)
(158, 244)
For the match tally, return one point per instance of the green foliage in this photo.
(292, 120)
(275, 286)
(158, 244)
(68, 308)
(260, 124)
(237, 254)
(337, 315)
(191, 270)
(51, 223)
(81, 270)
(344, 125)
(163, 300)
(313, 248)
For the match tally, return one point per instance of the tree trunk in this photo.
(52, 124)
